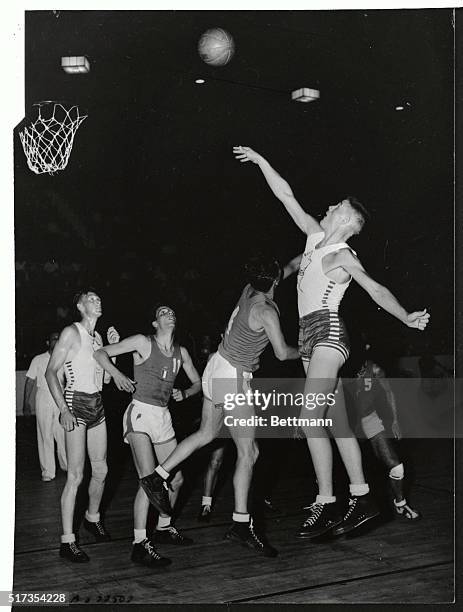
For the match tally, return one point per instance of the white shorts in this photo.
(221, 378)
(154, 421)
(372, 425)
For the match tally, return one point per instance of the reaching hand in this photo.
(396, 430)
(123, 382)
(67, 420)
(112, 335)
(418, 319)
(245, 154)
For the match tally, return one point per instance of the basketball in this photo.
(216, 47)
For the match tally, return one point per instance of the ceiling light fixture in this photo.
(200, 81)
(305, 94)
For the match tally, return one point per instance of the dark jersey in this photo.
(155, 377)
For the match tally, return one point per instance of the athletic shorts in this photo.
(372, 425)
(220, 378)
(322, 328)
(154, 421)
(86, 407)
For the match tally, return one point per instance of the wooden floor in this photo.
(394, 561)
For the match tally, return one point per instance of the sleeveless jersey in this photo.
(155, 377)
(241, 346)
(82, 372)
(315, 291)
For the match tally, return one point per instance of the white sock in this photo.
(162, 472)
(325, 499)
(241, 517)
(67, 538)
(92, 518)
(359, 489)
(400, 504)
(139, 535)
(163, 522)
(206, 501)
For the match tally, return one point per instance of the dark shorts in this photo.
(86, 407)
(322, 328)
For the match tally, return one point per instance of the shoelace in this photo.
(100, 528)
(74, 549)
(254, 535)
(151, 550)
(172, 530)
(317, 509)
(352, 504)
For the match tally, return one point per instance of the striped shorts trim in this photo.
(323, 328)
(86, 407)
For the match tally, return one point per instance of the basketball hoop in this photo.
(47, 141)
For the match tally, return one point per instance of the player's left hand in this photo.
(178, 395)
(418, 319)
(112, 335)
(396, 430)
(245, 154)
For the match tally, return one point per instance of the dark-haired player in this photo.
(157, 360)
(253, 324)
(82, 418)
(326, 269)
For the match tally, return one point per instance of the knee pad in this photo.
(99, 469)
(397, 472)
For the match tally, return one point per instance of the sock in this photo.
(401, 503)
(241, 517)
(206, 501)
(325, 499)
(359, 489)
(139, 535)
(163, 522)
(92, 518)
(162, 472)
(67, 538)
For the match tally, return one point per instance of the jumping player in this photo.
(157, 360)
(82, 418)
(327, 267)
(253, 323)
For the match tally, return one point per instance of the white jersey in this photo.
(315, 290)
(83, 373)
(36, 372)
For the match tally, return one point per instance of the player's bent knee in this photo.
(99, 470)
(397, 472)
(75, 477)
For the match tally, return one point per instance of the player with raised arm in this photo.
(253, 324)
(327, 266)
(157, 360)
(82, 418)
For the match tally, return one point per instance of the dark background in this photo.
(153, 206)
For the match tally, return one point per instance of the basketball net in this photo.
(47, 142)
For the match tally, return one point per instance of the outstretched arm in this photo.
(103, 357)
(192, 374)
(280, 188)
(292, 266)
(268, 318)
(381, 295)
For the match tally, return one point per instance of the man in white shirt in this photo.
(49, 429)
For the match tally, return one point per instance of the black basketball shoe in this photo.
(72, 552)
(204, 515)
(97, 530)
(144, 553)
(322, 518)
(157, 491)
(362, 508)
(171, 536)
(244, 534)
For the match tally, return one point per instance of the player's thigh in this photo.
(142, 453)
(76, 441)
(162, 451)
(97, 442)
(211, 419)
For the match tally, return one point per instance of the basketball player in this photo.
(372, 387)
(82, 418)
(253, 323)
(46, 412)
(157, 360)
(326, 269)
